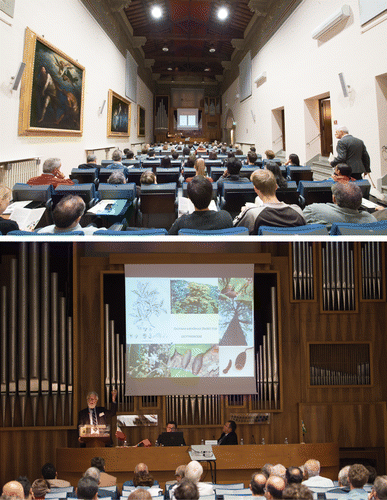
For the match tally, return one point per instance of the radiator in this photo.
(12, 172)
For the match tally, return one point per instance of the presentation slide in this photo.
(189, 329)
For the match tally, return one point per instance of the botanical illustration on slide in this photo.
(148, 360)
(193, 298)
(147, 306)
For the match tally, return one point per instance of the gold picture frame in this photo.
(118, 114)
(140, 121)
(52, 90)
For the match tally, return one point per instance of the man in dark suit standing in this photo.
(228, 436)
(353, 152)
(96, 415)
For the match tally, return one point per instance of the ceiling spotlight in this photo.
(211, 49)
(156, 12)
(222, 13)
(169, 68)
(207, 69)
(165, 48)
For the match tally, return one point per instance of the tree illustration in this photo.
(198, 299)
(146, 305)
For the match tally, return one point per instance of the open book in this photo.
(27, 218)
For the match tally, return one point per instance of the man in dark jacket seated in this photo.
(228, 435)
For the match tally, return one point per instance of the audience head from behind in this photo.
(199, 191)
(144, 149)
(231, 154)
(264, 182)
(342, 173)
(347, 195)
(266, 470)
(143, 478)
(270, 155)
(140, 494)
(274, 487)
(87, 488)
(40, 487)
(13, 489)
(68, 212)
(312, 467)
(279, 470)
(293, 160)
(257, 484)
(253, 149)
(274, 167)
(294, 475)
(200, 167)
(186, 151)
(372, 474)
(175, 155)
(233, 166)
(212, 155)
(297, 491)
(165, 162)
(94, 473)
(117, 155)
(129, 154)
(148, 177)
(379, 489)
(5, 197)
(343, 476)
(117, 177)
(91, 158)
(357, 476)
(98, 463)
(151, 153)
(223, 150)
(190, 163)
(238, 152)
(193, 471)
(180, 473)
(252, 157)
(52, 166)
(27, 487)
(186, 489)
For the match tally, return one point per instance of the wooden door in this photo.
(326, 127)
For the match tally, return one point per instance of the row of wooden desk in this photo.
(233, 463)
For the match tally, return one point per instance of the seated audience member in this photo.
(257, 484)
(186, 490)
(147, 177)
(151, 154)
(266, 470)
(51, 175)
(270, 155)
(105, 479)
(342, 173)
(273, 167)
(357, 477)
(200, 193)
(294, 475)
(231, 174)
(279, 470)
(186, 151)
(200, 167)
(117, 178)
(213, 155)
(140, 494)
(129, 154)
(190, 163)
(201, 148)
(13, 489)
(193, 472)
(379, 489)
(298, 492)
(25, 482)
(345, 207)
(165, 162)
(140, 470)
(39, 488)
(165, 146)
(371, 474)
(343, 482)
(91, 162)
(223, 150)
(94, 473)
(143, 478)
(50, 474)
(272, 212)
(87, 488)
(275, 485)
(144, 151)
(6, 225)
(251, 158)
(293, 160)
(117, 162)
(228, 436)
(312, 468)
(67, 215)
(180, 473)
(238, 152)
(175, 155)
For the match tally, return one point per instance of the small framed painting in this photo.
(52, 90)
(140, 121)
(118, 115)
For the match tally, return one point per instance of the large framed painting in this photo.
(140, 121)
(52, 90)
(118, 116)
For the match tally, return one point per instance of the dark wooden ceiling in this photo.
(189, 28)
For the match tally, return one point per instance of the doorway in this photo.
(326, 126)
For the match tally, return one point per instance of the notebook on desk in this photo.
(171, 439)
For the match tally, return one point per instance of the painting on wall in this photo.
(141, 121)
(118, 116)
(51, 94)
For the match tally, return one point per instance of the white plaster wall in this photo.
(300, 68)
(69, 27)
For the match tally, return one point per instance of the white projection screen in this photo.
(187, 119)
(245, 77)
(131, 77)
(189, 329)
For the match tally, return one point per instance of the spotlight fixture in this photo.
(222, 13)
(165, 48)
(170, 68)
(212, 49)
(207, 69)
(156, 12)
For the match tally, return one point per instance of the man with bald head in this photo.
(275, 485)
(257, 484)
(13, 489)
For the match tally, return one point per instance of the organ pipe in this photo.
(3, 334)
(62, 357)
(54, 343)
(45, 340)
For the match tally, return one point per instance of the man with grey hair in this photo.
(357, 477)
(117, 162)
(96, 415)
(379, 489)
(94, 473)
(343, 481)
(278, 470)
(51, 175)
(353, 152)
(87, 488)
(312, 468)
(345, 207)
(91, 162)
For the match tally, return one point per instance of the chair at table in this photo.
(39, 195)
(229, 231)
(157, 206)
(134, 175)
(309, 229)
(299, 173)
(164, 175)
(214, 190)
(139, 232)
(119, 192)
(235, 195)
(216, 172)
(289, 194)
(315, 192)
(105, 173)
(85, 175)
(247, 170)
(368, 229)
(131, 163)
(365, 187)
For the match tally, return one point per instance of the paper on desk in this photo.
(187, 207)
(100, 206)
(27, 218)
(16, 204)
